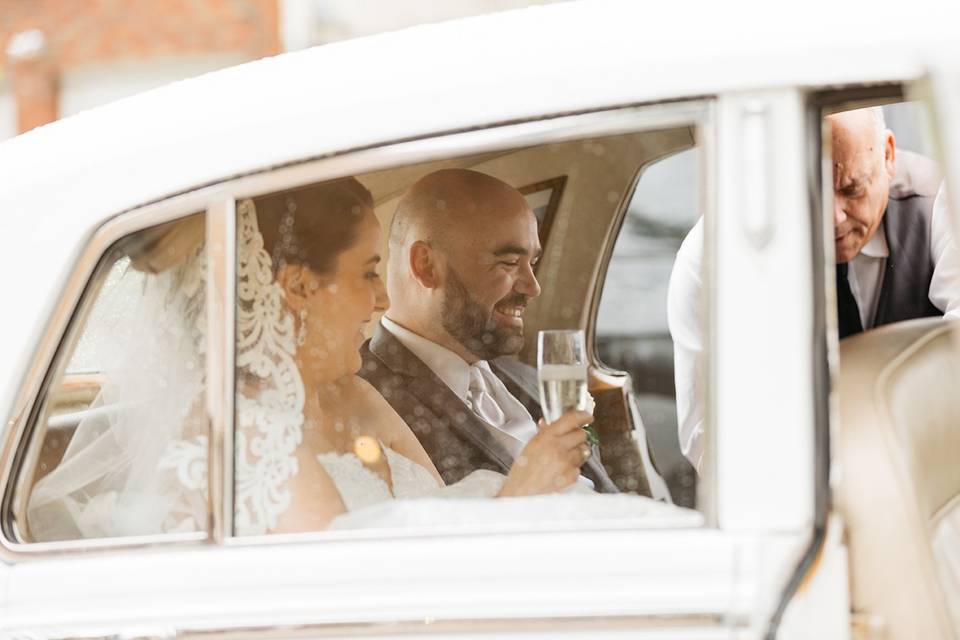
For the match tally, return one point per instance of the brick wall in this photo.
(81, 32)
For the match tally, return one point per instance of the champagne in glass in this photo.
(562, 369)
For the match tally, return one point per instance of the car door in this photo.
(633, 567)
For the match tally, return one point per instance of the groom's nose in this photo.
(526, 282)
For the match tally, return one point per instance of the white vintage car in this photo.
(828, 502)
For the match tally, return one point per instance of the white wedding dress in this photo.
(359, 487)
(418, 501)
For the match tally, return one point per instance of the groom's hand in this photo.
(552, 459)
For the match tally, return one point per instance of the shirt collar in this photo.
(877, 247)
(448, 366)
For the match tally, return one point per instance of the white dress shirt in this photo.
(866, 279)
(865, 275)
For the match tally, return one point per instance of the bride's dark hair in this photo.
(312, 225)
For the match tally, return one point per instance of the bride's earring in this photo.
(302, 331)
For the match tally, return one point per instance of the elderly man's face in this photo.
(490, 279)
(863, 166)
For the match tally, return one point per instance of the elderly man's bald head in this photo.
(864, 164)
(868, 125)
(447, 203)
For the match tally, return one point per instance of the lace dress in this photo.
(417, 501)
(359, 487)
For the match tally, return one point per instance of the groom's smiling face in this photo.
(489, 276)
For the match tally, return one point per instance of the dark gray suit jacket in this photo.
(456, 439)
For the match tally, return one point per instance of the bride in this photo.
(313, 440)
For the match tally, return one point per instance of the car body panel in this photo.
(386, 101)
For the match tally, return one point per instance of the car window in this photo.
(120, 426)
(105, 325)
(387, 344)
(633, 333)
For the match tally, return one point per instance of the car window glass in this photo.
(633, 332)
(340, 409)
(105, 326)
(118, 443)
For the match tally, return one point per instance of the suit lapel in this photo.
(430, 390)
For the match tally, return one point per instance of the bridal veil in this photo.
(137, 461)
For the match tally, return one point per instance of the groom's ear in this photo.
(424, 264)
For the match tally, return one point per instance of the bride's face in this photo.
(340, 304)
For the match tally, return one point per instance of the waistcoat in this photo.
(905, 288)
(904, 294)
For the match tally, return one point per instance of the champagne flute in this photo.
(562, 370)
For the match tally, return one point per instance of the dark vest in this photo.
(904, 294)
(905, 289)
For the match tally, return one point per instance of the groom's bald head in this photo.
(462, 246)
(445, 205)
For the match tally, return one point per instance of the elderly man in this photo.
(462, 250)
(896, 258)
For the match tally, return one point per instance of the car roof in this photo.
(62, 180)
(548, 59)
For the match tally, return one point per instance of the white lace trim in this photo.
(270, 400)
(270, 415)
(185, 508)
(358, 486)
(361, 487)
(188, 458)
(410, 480)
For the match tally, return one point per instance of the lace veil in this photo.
(137, 461)
(107, 483)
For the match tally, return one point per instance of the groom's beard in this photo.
(474, 327)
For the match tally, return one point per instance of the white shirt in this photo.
(866, 279)
(865, 275)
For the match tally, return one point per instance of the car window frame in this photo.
(600, 123)
(702, 142)
(83, 280)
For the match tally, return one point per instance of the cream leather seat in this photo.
(899, 483)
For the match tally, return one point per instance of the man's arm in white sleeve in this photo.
(683, 319)
(945, 284)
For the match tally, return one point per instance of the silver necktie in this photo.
(481, 401)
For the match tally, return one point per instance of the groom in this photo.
(462, 250)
